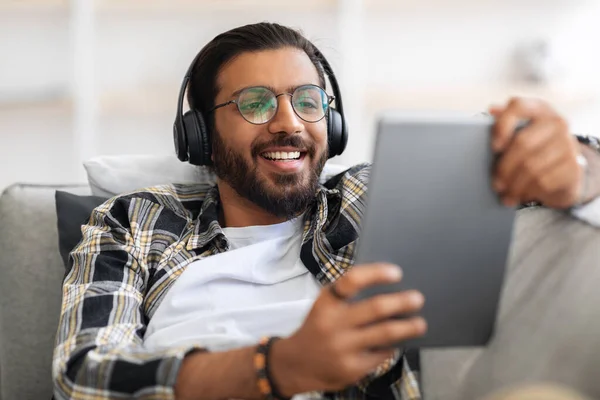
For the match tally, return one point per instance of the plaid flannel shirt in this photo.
(134, 248)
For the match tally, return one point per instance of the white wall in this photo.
(412, 50)
(458, 50)
(35, 142)
(33, 51)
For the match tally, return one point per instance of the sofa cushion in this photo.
(112, 175)
(72, 211)
(31, 274)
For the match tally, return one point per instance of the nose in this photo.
(285, 120)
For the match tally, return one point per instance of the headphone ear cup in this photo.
(337, 137)
(205, 139)
(198, 143)
(180, 140)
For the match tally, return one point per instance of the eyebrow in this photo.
(290, 89)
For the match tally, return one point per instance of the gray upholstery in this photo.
(31, 273)
(548, 324)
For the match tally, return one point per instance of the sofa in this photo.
(548, 325)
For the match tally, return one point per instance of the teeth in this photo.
(280, 155)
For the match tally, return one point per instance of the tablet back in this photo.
(431, 209)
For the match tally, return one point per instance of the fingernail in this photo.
(394, 272)
(417, 298)
(498, 185)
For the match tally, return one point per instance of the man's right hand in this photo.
(334, 347)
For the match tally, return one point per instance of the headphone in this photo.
(192, 138)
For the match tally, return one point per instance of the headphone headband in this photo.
(181, 97)
(335, 88)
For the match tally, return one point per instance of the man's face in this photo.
(243, 153)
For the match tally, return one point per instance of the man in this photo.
(172, 287)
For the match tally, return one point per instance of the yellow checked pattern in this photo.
(134, 248)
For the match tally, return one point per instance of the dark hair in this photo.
(203, 89)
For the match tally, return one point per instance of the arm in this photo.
(332, 350)
(327, 353)
(99, 351)
(225, 375)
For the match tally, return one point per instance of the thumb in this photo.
(366, 275)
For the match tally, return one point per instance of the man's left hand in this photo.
(540, 162)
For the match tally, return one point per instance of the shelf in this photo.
(403, 5)
(183, 6)
(53, 100)
(472, 99)
(158, 100)
(33, 5)
(161, 100)
(36, 110)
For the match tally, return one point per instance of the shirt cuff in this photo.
(589, 212)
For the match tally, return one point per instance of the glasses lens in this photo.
(310, 103)
(257, 105)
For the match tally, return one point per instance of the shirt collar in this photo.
(207, 225)
(317, 219)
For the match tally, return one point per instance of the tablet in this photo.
(431, 209)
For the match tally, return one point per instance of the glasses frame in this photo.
(330, 99)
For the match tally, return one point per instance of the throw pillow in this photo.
(72, 211)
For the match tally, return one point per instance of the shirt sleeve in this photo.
(589, 212)
(99, 349)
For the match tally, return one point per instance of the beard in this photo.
(286, 195)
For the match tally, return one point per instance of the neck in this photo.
(238, 212)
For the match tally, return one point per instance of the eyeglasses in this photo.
(258, 105)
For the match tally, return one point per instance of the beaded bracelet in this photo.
(264, 379)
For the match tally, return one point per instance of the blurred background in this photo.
(83, 78)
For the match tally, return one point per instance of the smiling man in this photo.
(272, 177)
(180, 291)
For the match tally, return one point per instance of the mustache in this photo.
(284, 140)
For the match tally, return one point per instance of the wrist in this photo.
(284, 369)
(218, 375)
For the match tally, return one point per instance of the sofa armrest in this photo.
(31, 272)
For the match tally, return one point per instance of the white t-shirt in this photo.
(230, 300)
